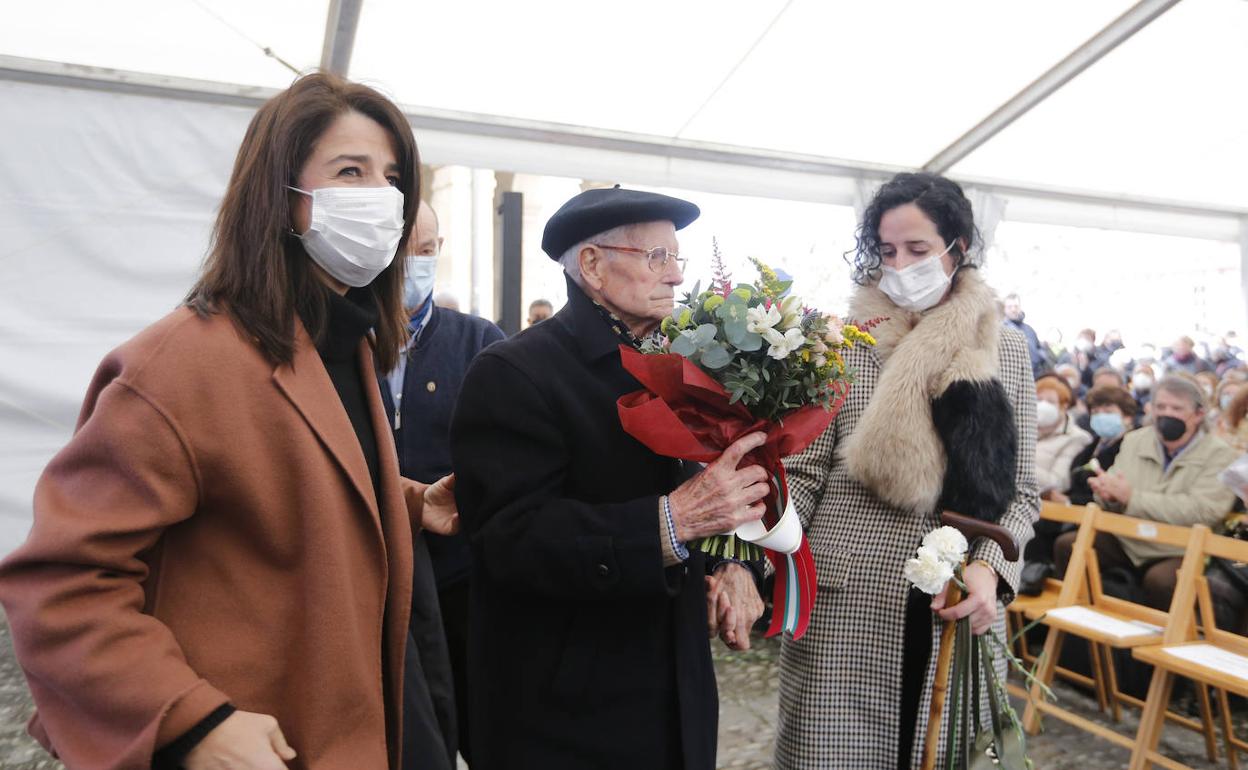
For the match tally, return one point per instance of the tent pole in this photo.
(1114, 34)
(340, 26)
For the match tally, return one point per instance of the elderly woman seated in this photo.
(1112, 416)
(1059, 439)
(1165, 472)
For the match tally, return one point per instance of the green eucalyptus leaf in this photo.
(716, 357)
(684, 345)
(750, 342)
(704, 335)
(734, 331)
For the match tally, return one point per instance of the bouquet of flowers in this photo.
(968, 745)
(736, 359)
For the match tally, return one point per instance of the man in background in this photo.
(420, 395)
(539, 311)
(1014, 316)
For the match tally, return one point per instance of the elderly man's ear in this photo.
(593, 263)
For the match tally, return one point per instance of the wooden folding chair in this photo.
(1219, 659)
(1083, 610)
(1028, 608)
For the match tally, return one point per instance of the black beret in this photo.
(598, 210)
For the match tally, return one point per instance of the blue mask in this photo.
(1107, 425)
(418, 280)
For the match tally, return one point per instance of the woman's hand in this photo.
(980, 602)
(244, 741)
(439, 514)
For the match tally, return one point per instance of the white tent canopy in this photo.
(122, 119)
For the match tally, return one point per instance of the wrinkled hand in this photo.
(722, 497)
(244, 741)
(1111, 487)
(732, 604)
(980, 602)
(439, 514)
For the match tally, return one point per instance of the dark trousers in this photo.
(914, 654)
(453, 601)
(1157, 579)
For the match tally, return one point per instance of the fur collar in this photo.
(896, 450)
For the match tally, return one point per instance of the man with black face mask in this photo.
(1165, 472)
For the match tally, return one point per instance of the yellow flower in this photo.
(853, 334)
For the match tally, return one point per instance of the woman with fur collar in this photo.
(941, 417)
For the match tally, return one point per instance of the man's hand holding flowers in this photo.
(723, 496)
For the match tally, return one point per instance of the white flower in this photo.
(759, 319)
(948, 543)
(790, 311)
(928, 571)
(782, 347)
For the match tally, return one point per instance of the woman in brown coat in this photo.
(220, 568)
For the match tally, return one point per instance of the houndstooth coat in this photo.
(840, 685)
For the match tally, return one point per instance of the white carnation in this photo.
(948, 543)
(928, 571)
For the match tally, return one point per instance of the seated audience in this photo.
(1112, 411)
(1183, 357)
(1231, 426)
(1167, 472)
(1058, 438)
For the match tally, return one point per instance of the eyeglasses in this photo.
(656, 257)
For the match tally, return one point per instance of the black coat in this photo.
(585, 652)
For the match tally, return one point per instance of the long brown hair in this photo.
(257, 269)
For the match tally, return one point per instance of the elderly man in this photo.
(1164, 472)
(589, 616)
(419, 395)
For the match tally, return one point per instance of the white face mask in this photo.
(355, 231)
(418, 280)
(1047, 414)
(919, 286)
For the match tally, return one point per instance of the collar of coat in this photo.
(589, 328)
(938, 431)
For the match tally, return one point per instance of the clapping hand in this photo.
(1111, 487)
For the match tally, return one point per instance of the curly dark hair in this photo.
(941, 199)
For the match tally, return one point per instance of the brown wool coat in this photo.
(211, 535)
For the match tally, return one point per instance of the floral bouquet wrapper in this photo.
(684, 413)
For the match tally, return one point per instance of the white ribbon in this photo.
(785, 537)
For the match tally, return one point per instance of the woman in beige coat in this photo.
(940, 416)
(220, 568)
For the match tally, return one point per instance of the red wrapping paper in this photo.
(683, 412)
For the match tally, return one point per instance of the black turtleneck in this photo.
(349, 318)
